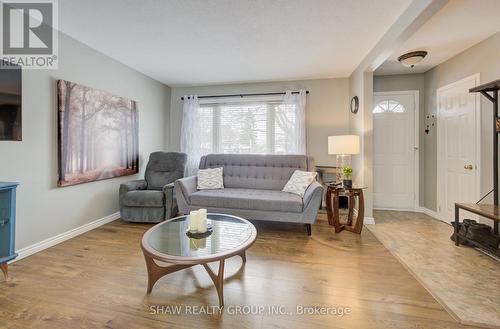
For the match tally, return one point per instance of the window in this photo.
(257, 124)
(389, 106)
(265, 127)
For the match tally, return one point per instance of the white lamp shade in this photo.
(343, 144)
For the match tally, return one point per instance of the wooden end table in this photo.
(356, 208)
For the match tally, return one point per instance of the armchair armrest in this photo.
(313, 192)
(184, 188)
(139, 184)
(133, 185)
(168, 187)
(170, 204)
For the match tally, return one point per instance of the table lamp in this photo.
(343, 146)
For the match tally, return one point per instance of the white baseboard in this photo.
(429, 212)
(47, 243)
(369, 221)
(398, 209)
(424, 210)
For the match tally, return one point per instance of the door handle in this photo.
(468, 167)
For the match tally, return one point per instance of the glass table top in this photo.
(229, 234)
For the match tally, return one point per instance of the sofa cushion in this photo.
(210, 179)
(144, 198)
(256, 171)
(255, 199)
(299, 182)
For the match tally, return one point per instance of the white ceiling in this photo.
(459, 25)
(192, 42)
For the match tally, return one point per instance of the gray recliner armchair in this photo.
(152, 199)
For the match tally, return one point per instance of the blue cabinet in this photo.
(7, 223)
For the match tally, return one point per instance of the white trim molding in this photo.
(398, 209)
(429, 212)
(47, 243)
(369, 221)
(423, 210)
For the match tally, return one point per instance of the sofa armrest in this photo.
(312, 191)
(184, 188)
(139, 184)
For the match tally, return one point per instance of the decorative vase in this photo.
(347, 183)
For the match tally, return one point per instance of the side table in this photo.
(7, 224)
(356, 208)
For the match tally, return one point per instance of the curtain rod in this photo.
(244, 95)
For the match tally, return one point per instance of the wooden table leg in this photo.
(218, 280)
(329, 201)
(336, 212)
(355, 225)
(5, 270)
(350, 207)
(455, 229)
(243, 256)
(155, 271)
(358, 226)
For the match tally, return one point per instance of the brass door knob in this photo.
(468, 167)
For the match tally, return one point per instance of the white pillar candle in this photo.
(194, 221)
(202, 223)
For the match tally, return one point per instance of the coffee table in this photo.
(169, 244)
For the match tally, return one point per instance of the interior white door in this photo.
(394, 150)
(457, 149)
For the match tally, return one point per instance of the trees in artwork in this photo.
(98, 134)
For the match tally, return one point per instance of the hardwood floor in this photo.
(98, 280)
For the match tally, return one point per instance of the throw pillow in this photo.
(210, 179)
(299, 182)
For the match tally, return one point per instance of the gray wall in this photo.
(43, 209)
(327, 111)
(406, 82)
(361, 124)
(483, 58)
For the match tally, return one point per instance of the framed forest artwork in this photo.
(98, 134)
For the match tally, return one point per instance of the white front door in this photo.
(394, 149)
(458, 145)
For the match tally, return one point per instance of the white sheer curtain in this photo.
(256, 125)
(190, 133)
(292, 119)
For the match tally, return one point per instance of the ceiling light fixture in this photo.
(412, 58)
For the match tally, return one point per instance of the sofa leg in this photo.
(308, 228)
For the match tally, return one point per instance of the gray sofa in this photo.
(253, 189)
(152, 199)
